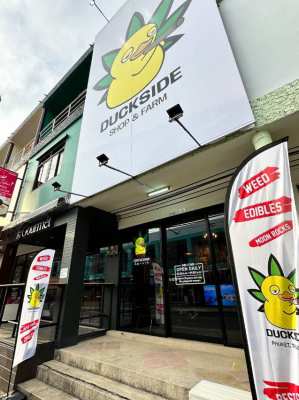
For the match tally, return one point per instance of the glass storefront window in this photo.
(92, 302)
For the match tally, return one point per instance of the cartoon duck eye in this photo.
(274, 290)
(292, 289)
(127, 55)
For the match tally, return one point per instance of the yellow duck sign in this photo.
(140, 247)
(134, 66)
(36, 297)
(278, 295)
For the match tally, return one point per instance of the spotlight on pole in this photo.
(175, 113)
(103, 162)
(57, 188)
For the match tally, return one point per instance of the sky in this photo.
(40, 40)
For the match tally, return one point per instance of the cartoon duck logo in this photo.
(140, 247)
(134, 66)
(36, 296)
(278, 295)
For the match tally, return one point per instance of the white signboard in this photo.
(151, 56)
(34, 298)
(263, 229)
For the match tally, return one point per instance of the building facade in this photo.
(124, 259)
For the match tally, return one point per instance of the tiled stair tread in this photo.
(37, 390)
(115, 389)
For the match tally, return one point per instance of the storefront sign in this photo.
(262, 226)
(189, 274)
(8, 181)
(141, 261)
(35, 228)
(33, 303)
(151, 56)
(140, 249)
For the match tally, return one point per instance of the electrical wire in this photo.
(93, 3)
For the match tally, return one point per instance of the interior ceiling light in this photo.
(159, 191)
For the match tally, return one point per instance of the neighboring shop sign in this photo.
(40, 226)
(262, 226)
(8, 181)
(33, 303)
(189, 274)
(151, 56)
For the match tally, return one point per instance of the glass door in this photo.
(92, 301)
(141, 283)
(192, 283)
(227, 289)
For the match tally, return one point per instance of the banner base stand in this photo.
(16, 396)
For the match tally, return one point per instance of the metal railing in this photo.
(96, 305)
(47, 321)
(74, 106)
(21, 156)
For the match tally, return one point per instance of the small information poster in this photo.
(189, 274)
(141, 261)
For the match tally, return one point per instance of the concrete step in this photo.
(37, 390)
(136, 379)
(5, 361)
(179, 344)
(206, 390)
(6, 350)
(4, 372)
(88, 386)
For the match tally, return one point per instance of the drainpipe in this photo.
(39, 125)
(11, 146)
(261, 139)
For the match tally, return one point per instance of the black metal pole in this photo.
(188, 132)
(75, 194)
(15, 344)
(11, 368)
(127, 174)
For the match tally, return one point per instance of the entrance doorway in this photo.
(184, 286)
